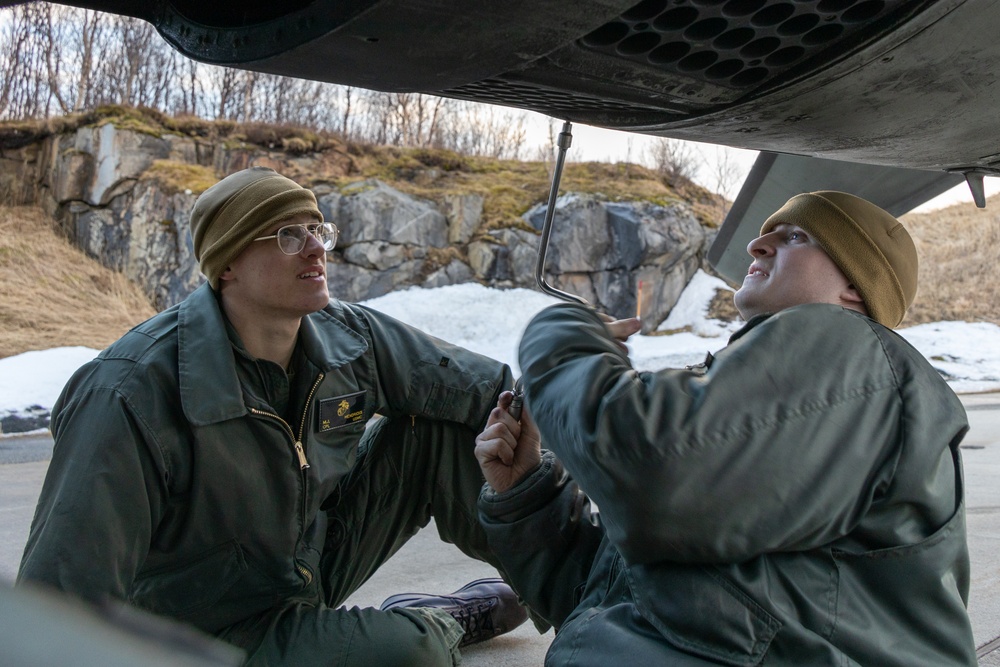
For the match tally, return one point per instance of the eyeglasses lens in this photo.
(292, 239)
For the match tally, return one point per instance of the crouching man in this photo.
(798, 501)
(217, 465)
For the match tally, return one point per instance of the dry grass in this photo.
(959, 250)
(52, 295)
(175, 177)
(959, 253)
(510, 187)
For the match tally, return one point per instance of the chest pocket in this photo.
(337, 419)
(334, 452)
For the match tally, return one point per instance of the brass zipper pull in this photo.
(301, 451)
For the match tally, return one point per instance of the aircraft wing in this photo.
(775, 177)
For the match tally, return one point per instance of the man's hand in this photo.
(621, 329)
(508, 450)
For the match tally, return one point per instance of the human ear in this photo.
(852, 295)
(852, 299)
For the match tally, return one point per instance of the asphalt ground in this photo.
(428, 565)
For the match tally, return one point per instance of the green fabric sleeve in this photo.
(102, 497)
(422, 375)
(544, 533)
(781, 445)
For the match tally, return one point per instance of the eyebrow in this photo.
(787, 226)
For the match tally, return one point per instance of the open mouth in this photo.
(310, 274)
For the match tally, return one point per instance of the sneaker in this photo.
(485, 608)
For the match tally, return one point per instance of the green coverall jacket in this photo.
(797, 503)
(174, 485)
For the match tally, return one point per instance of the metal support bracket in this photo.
(974, 178)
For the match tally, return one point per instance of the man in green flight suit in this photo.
(797, 500)
(219, 464)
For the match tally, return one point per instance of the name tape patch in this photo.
(341, 411)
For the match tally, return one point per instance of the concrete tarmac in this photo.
(428, 565)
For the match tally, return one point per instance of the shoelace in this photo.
(476, 621)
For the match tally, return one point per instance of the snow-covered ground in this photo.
(491, 321)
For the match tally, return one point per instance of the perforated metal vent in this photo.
(737, 44)
(555, 102)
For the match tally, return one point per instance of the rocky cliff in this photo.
(124, 195)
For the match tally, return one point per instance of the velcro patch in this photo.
(341, 411)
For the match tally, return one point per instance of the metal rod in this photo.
(564, 142)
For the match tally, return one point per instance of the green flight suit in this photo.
(798, 503)
(199, 483)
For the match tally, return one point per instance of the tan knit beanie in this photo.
(229, 215)
(871, 247)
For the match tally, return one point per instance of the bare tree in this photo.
(148, 64)
(403, 119)
(53, 38)
(134, 53)
(478, 129)
(250, 80)
(674, 160)
(726, 173)
(315, 105)
(629, 145)
(345, 112)
(25, 91)
(398, 108)
(108, 78)
(189, 87)
(59, 59)
(15, 45)
(225, 83)
(547, 152)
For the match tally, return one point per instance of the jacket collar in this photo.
(209, 386)
(760, 319)
(751, 323)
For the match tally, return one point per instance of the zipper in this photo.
(300, 452)
(303, 465)
(299, 448)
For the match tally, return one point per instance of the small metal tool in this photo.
(514, 409)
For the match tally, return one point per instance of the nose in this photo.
(313, 247)
(761, 246)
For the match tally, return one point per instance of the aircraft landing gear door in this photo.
(564, 142)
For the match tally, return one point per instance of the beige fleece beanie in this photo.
(871, 247)
(229, 215)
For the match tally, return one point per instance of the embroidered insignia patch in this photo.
(341, 411)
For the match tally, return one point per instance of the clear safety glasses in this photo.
(292, 238)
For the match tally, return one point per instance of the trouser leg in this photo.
(407, 472)
(410, 471)
(319, 636)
